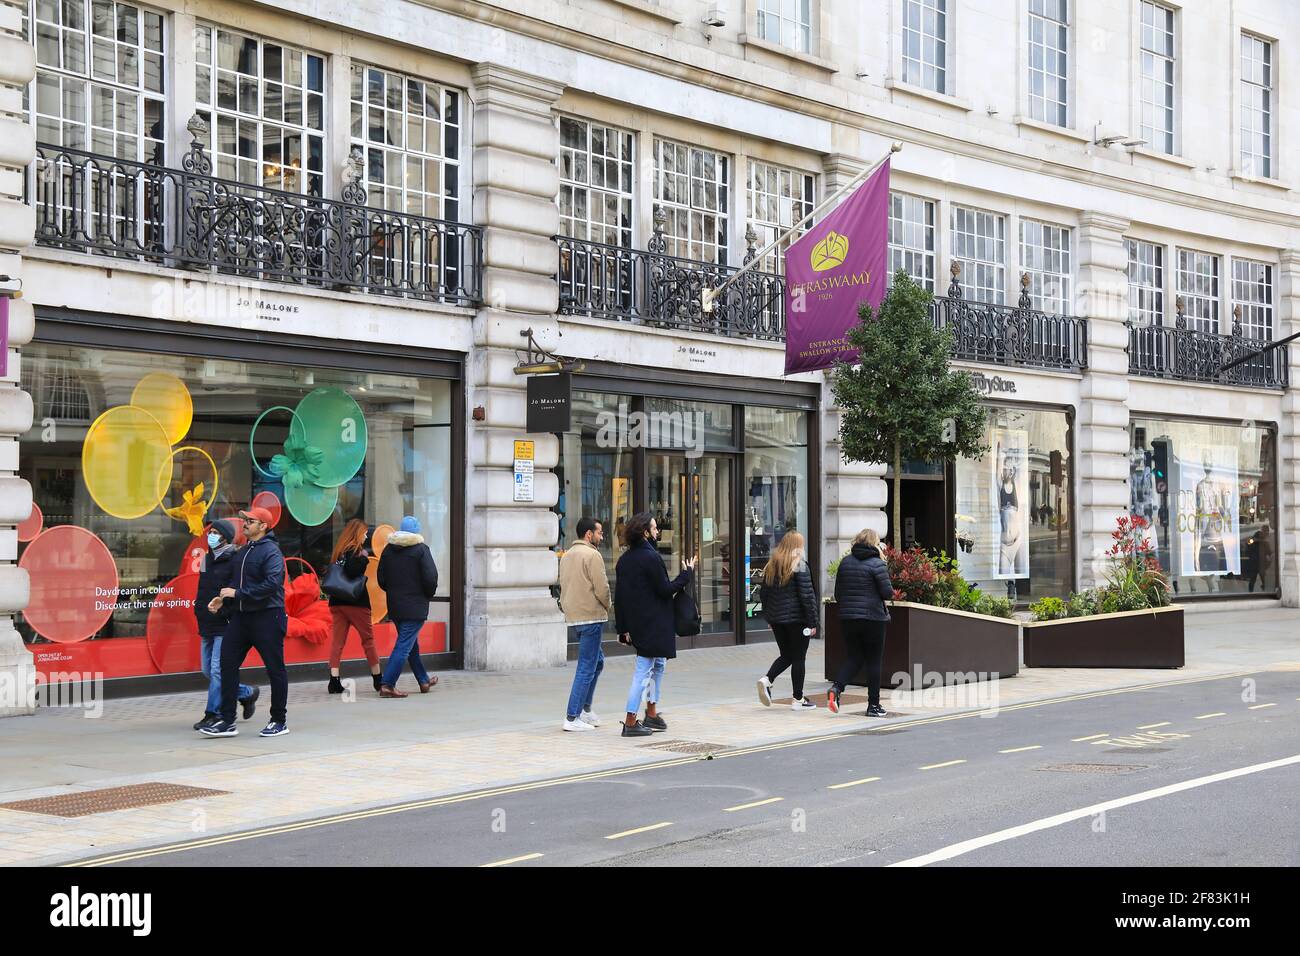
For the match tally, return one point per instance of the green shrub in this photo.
(991, 606)
(1049, 609)
(1081, 604)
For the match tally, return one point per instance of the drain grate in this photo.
(686, 746)
(1095, 767)
(88, 802)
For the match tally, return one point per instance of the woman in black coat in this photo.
(643, 615)
(862, 587)
(790, 606)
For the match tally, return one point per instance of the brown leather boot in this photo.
(386, 691)
(433, 681)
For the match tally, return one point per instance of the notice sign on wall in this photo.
(523, 471)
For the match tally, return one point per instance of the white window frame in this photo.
(442, 202)
(1146, 295)
(133, 144)
(1256, 294)
(1200, 289)
(1042, 108)
(772, 211)
(1046, 256)
(782, 22)
(1169, 138)
(684, 209)
(913, 61)
(1262, 165)
(623, 192)
(904, 251)
(207, 105)
(982, 279)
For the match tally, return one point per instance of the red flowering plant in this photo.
(912, 573)
(1134, 578)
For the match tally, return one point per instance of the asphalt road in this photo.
(1029, 786)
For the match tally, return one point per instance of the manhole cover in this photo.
(686, 746)
(1095, 767)
(88, 802)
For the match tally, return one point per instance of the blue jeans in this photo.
(406, 649)
(210, 662)
(647, 681)
(591, 661)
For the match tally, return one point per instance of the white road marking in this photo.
(627, 833)
(1154, 726)
(936, 766)
(756, 803)
(513, 859)
(1261, 706)
(1016, 750)
(852, 783)
(1079, 740)
(967, 846)
(1220, 713)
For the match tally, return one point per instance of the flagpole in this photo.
(707, 295)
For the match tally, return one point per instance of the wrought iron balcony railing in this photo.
(1191, 355)
(187, 218)
(653, 288)
(1001, 335)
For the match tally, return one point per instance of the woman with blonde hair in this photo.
(862, 587)
(790, 606)
(352, 613)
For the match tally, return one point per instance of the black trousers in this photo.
(865, 643)
(262, 631)
(793, 643)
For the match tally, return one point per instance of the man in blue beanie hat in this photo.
(409, 578)
(218, 571)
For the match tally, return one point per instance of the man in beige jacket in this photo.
(584, 596)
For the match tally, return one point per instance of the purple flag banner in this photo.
(835, 266)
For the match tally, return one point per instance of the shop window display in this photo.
(776, 486)
(1012, 525)
(127, 474)
(1209, 493)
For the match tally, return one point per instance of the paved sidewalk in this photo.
(476, 730)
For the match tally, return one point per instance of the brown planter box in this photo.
(937, 640)
(1151, 638)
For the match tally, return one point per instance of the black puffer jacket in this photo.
(794, 602)
(408, 576)
(862, 585)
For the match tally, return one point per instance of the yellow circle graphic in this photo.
(166, 398)
(197, 494)
(124, 451)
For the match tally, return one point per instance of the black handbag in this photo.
(686, 614)
(338, 585)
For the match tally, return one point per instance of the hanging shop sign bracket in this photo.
(1254, 355)
(6, 294)
(535, 360)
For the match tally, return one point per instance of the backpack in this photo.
(686, 614)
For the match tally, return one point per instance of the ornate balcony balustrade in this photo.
(1001, 335)
(653, 288)
(187, 218)
(1192, 355)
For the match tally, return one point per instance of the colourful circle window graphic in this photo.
(73, 584)
(122, 456)
(31, 527)
(166, 398)
(268, 500)
(325, 448)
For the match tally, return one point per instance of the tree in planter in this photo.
(903, 398)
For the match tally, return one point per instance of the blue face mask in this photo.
(214, 540)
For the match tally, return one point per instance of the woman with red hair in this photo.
(348, 613)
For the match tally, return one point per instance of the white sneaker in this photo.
(765, 691)
(589, 717)
(803, 703)
(578, 724)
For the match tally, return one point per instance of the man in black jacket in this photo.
(218, 570)
(409, 579)
(258, 621)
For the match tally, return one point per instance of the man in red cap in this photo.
(259, 621)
